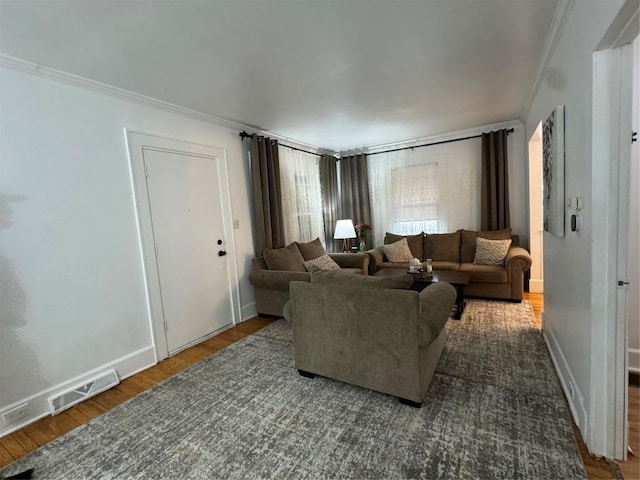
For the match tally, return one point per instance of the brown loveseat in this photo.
(372, 332)
(457, 251)
(273, 271)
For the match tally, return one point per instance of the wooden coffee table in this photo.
(421, 280)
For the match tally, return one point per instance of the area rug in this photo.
(494, 410)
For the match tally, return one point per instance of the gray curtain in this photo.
(267, 203)
(330, 200)
(495, 181)
(354, 191)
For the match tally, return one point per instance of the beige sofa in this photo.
(272, 272)
(358, 330)
(457, 251)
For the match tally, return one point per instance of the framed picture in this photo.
(553, 172)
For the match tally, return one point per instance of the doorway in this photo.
(536, 244)
(183, 206)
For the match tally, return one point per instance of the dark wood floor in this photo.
(20, 443)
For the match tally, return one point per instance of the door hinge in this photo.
(155, 247)
(146, 170)
(634, 137)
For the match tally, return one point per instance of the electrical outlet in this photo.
(15, 415)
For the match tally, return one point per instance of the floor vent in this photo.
(81, 392)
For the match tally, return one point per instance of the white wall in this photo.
(633, 299)
(70, 264)
(567, 260)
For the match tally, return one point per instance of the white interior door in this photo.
(188, 232)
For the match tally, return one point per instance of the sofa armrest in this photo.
(436, 302)
(276, 279)
(352, 260)
(376, 259)
(517, 259)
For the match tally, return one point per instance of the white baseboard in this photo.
(38, 406)
(249, 311)
(634, 360)
(568, 383)
(536, 285)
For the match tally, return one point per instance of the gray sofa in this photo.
(287, 264)
(456, 251)
(358, 331)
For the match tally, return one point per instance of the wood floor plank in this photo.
(5, 457)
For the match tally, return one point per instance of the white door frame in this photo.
(611, 152)
(136, 141)
(536, 246)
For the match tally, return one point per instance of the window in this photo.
(301, 195)
(433, 189)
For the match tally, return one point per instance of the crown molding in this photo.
(558, 23)
(122, 94)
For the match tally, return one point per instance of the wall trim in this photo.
(568, 382)
(536, 285)
(125, 366)
(558, 23)
(122, 94)
(248, 310)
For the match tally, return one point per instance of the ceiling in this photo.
(337, 74)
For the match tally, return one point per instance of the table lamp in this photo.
(344, 231)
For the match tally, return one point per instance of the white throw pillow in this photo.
(491, 252)
(323, 262)
(398, 252)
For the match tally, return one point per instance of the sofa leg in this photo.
(411, 403)
(307, 374)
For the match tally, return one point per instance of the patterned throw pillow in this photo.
(323, 262)
(398, 252)
(491, 252)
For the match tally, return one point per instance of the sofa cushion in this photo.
(491, 252)
(286, 258)
(416, 242)
(468, 238)
(401, 282)
(444, 247)
(398, 251)
(484, 273)
(311, 250)
(450, 266)
(323, 262)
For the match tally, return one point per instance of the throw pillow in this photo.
(323, 262)
(311, 250)
(468, 246)
(398, 252)
(286, 258)
(491, 252)
(401, 281)
(415, 242)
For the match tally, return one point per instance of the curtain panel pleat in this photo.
(354, 191)
(330, 200)
(267, 194)
(495, 181)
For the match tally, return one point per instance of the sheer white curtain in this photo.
(432, 189)
(301, 195)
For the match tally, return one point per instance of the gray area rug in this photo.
(494, 410)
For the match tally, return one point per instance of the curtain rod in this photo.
(244, 135)
(510, 130)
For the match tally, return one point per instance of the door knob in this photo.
(221, 253)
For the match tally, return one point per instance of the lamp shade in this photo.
(344, 229)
